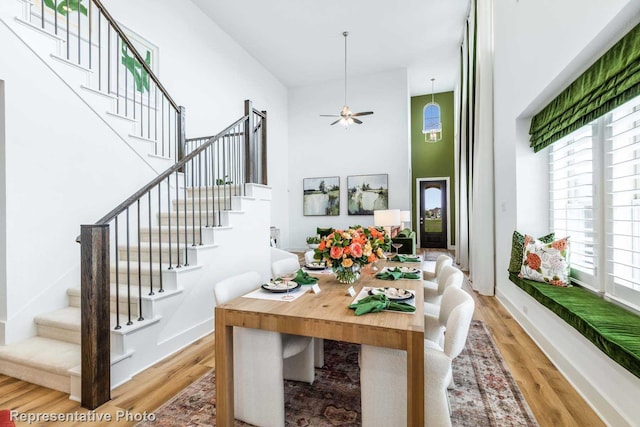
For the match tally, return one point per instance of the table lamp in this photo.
(386, 219)
(405, 216)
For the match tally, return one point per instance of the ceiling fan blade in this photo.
(356, 120)
(335, 122)
(330, 115)
(364, 113)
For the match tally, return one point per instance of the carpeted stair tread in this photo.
(65, 318)
(43, 353)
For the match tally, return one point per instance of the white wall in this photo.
(537, 54)
(211, 75)
(63, 168)
(379, 146)
(3, 216)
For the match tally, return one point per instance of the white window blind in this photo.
(572, 200)
(622, 165)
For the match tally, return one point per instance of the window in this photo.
(595, 199)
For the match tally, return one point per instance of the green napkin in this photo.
(395, 274)
(376, 303)
(389, 275)
(303, 278)
(405, 258)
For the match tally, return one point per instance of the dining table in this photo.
(326, 314)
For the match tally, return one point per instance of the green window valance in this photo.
(610, 82)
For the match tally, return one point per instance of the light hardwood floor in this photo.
(552, 399)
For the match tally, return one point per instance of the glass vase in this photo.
(347, 275)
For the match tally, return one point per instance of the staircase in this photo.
(173, 318)
(161, 251)
(144, 117)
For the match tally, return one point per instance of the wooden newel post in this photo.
(249, 149)
(182, 134)
(94, 307)
(264, 148)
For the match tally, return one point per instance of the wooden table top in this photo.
(331, 305)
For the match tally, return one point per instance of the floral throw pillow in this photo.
(546, 262)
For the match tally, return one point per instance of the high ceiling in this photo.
(301, 42)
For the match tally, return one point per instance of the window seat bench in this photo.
(612, 329)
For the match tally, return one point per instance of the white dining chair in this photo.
(383, 375)
(449, 276)
(308, 257)
(287, 265)
(431, 277)
(435, 323)
(284, 266)
(262, 359)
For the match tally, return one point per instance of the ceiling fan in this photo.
(346, 116)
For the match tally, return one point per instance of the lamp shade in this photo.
(386, 218)
(405, 216)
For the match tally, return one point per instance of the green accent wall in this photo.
(429, 160)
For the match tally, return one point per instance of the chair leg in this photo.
(301, 366)
(318, 349)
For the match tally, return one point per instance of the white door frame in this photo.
(419, 181)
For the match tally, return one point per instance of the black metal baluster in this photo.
(126, 79)
(162, 114)
(149, 112)
(160, 235)
(178, 220)
(117, 279)
(193, 204)
(200, 195)
(129, 322)
(184, 192)
(150, 246)
(67, 6)
(90, 31)
(206, 186)
(140, 268)
(116, 55)
(155, 120)
(169, 216)
(79, 33)
(55, 19)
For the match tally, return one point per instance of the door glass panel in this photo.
(433, 210)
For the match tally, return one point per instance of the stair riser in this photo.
(144, 255)
(197, 219)
(235, 190)
(177, 235)
(61, 334)
(198, 205)
(74, 301)
(145, 279)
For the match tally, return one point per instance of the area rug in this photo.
(485, 393)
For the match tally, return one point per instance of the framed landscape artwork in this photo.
(366, 193)
(321, 196)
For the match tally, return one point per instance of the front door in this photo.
(433, 214)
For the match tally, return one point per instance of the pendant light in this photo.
(431, 123)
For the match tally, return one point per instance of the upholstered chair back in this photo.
(457, 327)
(441, 262)
(449, 276)
(284, 266)
(235, 286)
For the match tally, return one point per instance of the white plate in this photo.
(315, 266)
(410, 270)
(280, 286)
(394, 294)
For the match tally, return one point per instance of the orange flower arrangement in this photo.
(355, 246)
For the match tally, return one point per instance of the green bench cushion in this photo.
(612, 329)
